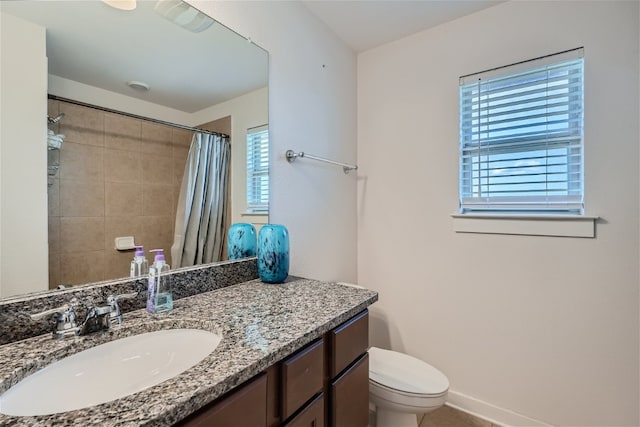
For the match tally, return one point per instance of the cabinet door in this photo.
(245, 407)
(311, 416)
(302, 377)
(350, 396)
(348, 342)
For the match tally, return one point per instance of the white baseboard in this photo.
(494, 414)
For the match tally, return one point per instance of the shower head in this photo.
(51, 120)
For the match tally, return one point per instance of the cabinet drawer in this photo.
(348, 342)
(311, 416)
(350, 396)
(302, 376)
(246, 406)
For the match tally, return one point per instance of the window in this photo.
(521, 137)
(258, 169)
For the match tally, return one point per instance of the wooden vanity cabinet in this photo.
(302, 376)
(324, 384)
(246, 406)
(349, 373)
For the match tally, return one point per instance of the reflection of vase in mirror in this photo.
(242, 241)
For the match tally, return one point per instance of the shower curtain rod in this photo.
(135, 116)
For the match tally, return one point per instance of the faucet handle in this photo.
(65, 318)
(115, 316)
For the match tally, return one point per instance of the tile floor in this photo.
(445, 417)
(449, 417)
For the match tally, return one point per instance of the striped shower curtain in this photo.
(202, 204)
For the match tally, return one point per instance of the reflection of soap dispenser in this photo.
(139, 264)
(159, 297)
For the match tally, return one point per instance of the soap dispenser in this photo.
(139, 264)
(159, 297)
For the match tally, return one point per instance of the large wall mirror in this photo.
(126, 88)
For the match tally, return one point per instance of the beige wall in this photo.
(23, 157)
(542, 326)
(312, 107)
(118, 176)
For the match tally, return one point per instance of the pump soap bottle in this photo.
(159, 297)
(139, 264)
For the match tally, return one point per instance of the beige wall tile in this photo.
(81, 234)
(54, 235)
(157, 234)
(222, 125)
(122, 166)
(81, 162)
(157, 169)
(117, 264)
(158, 200)
(53, 107)
(122, 132)
(178, 169)
(181, 137)
(81, 267)
(156, 139)
(82, 125)
(81, 198)
(105, 178)
(54, 270)
(53, 195)
(123, 199)
(122, 226)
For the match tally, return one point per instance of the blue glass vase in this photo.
(241, 241)
(273, 253)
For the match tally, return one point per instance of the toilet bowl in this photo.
(401, 387)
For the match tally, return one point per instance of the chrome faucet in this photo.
(97, 318)
(65, 319)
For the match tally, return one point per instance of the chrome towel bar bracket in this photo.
(292, 155)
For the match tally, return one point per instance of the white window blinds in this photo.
(258, 169)
(521, 137)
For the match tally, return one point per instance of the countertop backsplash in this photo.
(16, 324)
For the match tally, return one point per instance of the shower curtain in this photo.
(200, 217)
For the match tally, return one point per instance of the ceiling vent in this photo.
(183, 15)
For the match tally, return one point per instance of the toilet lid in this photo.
(405, 373)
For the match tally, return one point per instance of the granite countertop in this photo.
(260, 324)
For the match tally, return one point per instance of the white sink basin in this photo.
(108, 372)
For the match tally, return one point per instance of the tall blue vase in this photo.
(273, 253)
(241, 241)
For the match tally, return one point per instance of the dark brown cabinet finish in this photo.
(348, 342)
(325, 384)
(311, 416)
(245, 407)
(302, 377)
(350, 396)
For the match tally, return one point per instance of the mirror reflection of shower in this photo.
(54, 143)
(54, 120)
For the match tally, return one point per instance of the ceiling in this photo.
(92, 43)
(366, 24)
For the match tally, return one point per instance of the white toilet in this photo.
(401, 386)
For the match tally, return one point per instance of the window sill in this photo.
(526, 225)
(254, 214)
(256, 218)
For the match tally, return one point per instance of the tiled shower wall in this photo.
(118, 176)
